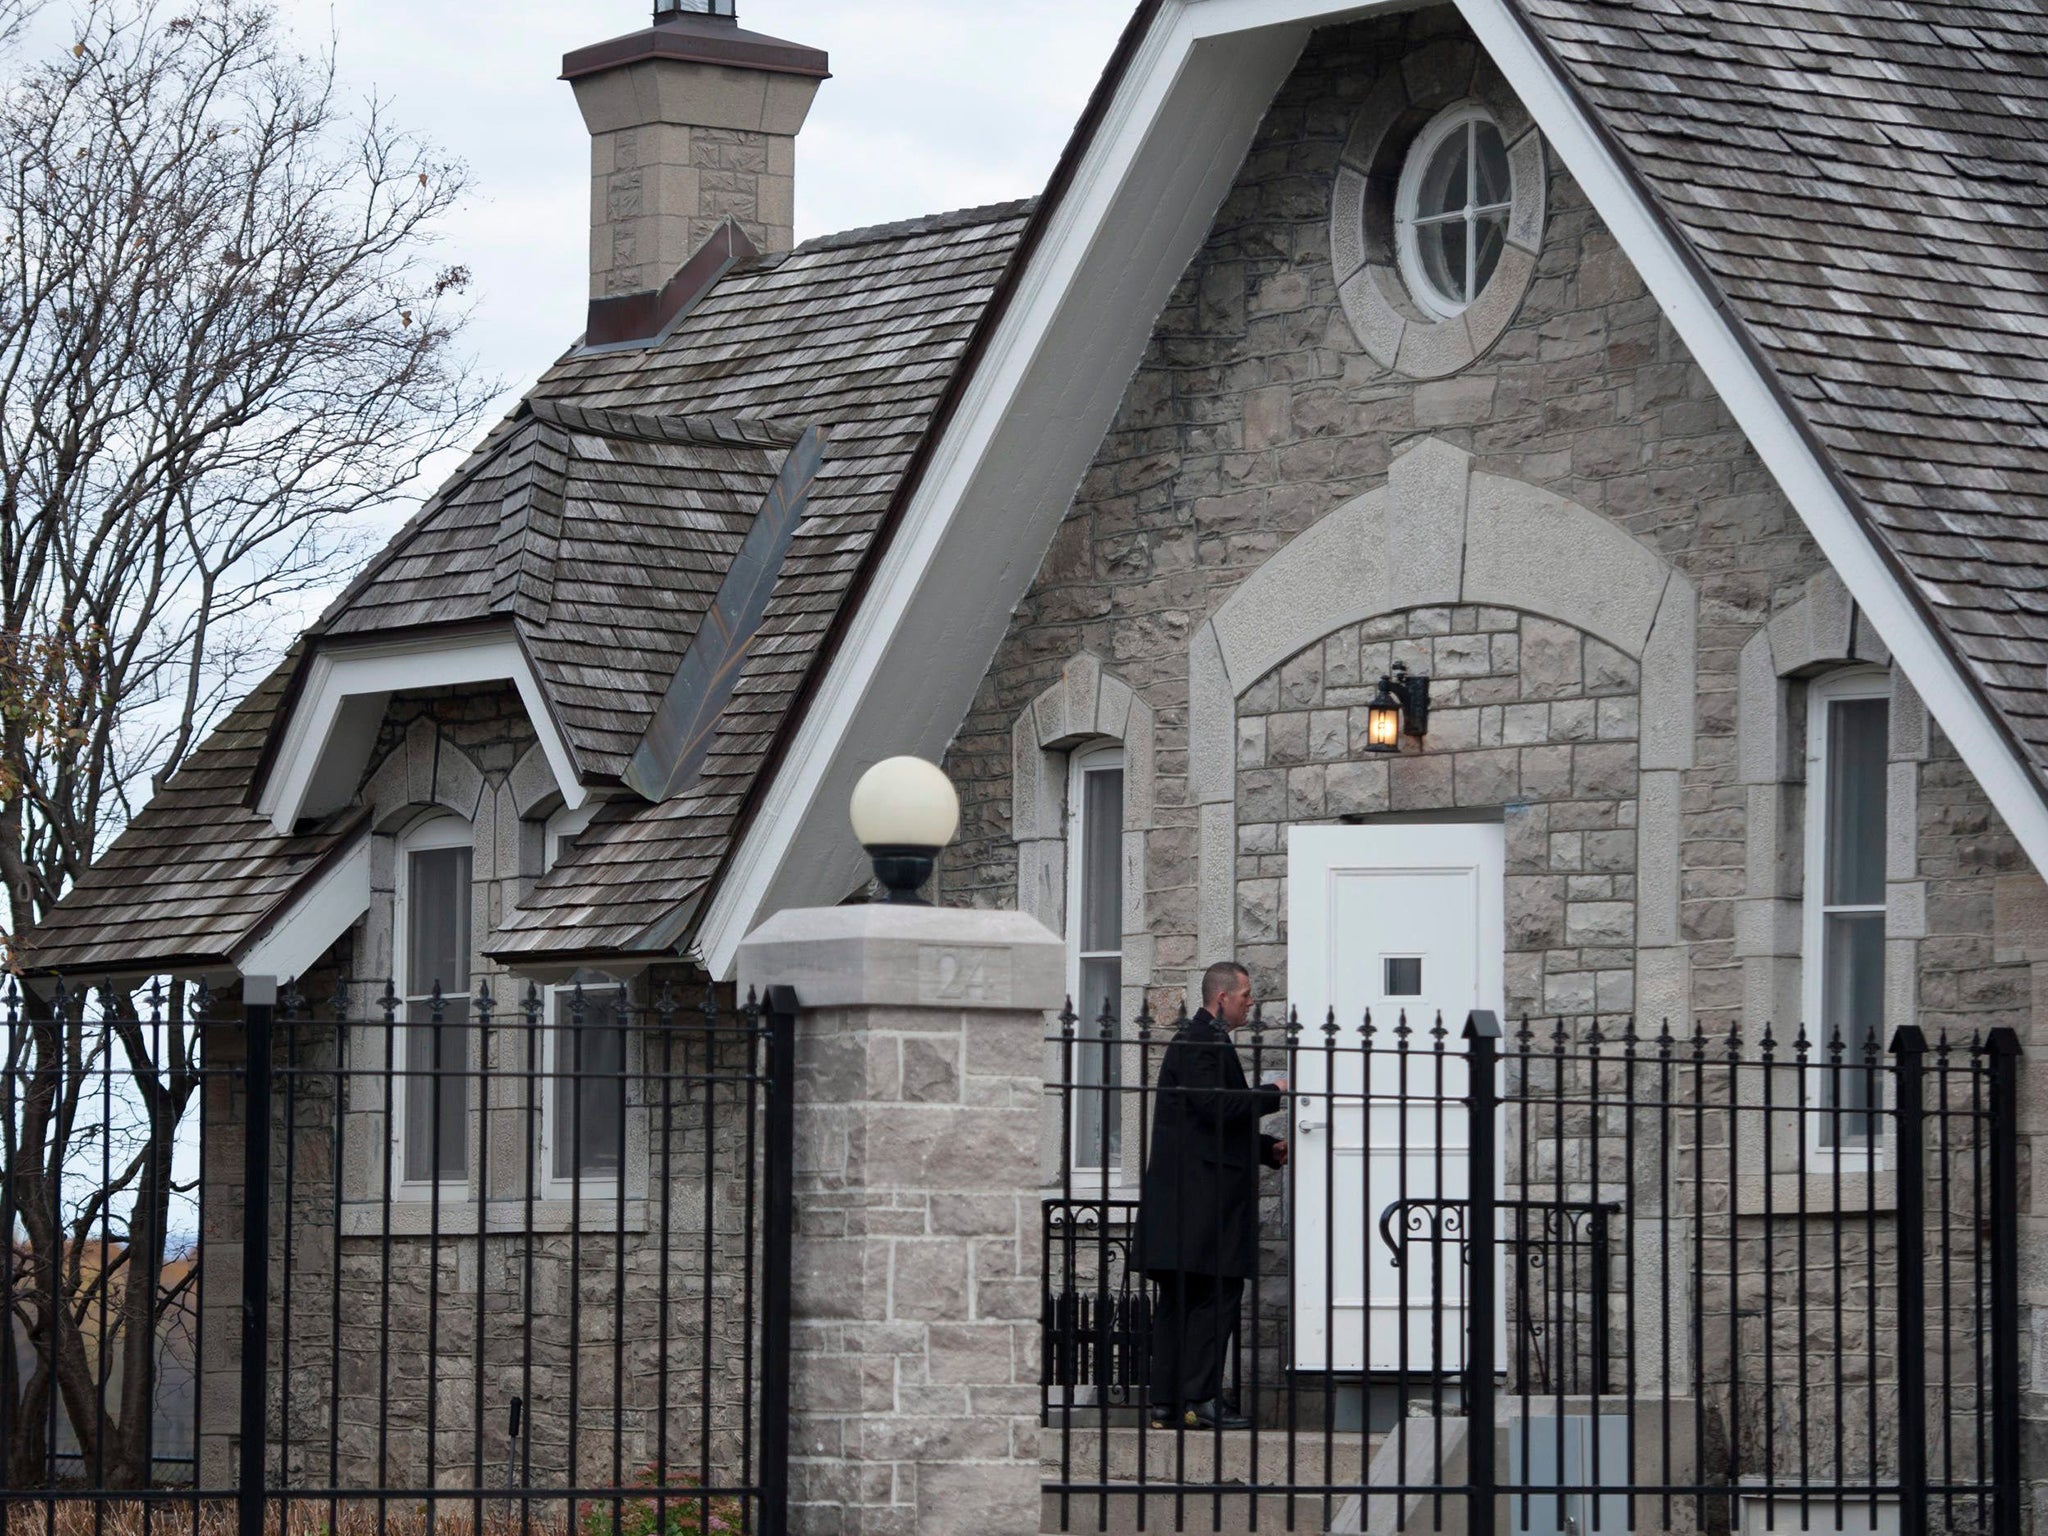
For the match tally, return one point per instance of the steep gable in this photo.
(1863, 184)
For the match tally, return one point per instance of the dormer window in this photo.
(433, 951)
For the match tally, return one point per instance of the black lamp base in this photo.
(902, 872)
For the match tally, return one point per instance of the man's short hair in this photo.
(1220, 978)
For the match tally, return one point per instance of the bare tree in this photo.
(222, 340)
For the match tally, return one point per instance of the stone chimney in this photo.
(693, 126)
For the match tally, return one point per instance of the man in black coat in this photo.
(1198, 1212)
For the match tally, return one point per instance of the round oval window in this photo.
(1451, 209)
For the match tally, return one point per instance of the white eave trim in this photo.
(328, 737)
(1057, 265)
(294, 939)
(1709, 332)
(1090, 206)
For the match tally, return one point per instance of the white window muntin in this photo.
(1473, 225)
(1095, 956)
(432, 1062)
(1842, 981)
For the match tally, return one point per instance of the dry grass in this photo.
(634, 1511)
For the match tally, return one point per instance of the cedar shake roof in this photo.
(1866, 184)
(601, 544)
(598, 523)
(196, 869)
(1859, 182)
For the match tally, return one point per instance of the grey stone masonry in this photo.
(915, 1353)
(1529, 718)
(677, 146)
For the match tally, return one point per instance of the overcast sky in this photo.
(933, 104)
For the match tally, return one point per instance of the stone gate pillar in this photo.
(914, 1392)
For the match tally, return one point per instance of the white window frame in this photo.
(598, 989)
(599, 992)
(1852, 1154)
(446, 830)
(1100, 757)
(564, 827)
(1455, 119)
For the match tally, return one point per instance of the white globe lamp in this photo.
(904, 811)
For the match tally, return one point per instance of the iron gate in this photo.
(1736, 1283)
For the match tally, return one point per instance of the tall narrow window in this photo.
(434, 944)
(1095, 965)
(586, 1116)
(583, 1118)
(1847, 733)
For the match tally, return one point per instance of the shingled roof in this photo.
(601, 536)
(597, 523)
(1858, 184)
(1866, 184)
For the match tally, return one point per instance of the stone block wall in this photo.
(1529, 718)
(1256, 413)
(401, 1334)
(914, 1380)
(917, 1279)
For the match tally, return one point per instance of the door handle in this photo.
(1309, 1127)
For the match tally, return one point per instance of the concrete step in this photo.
(1229, 1515)
(1129, 1455)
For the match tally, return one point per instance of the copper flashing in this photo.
(699, 40)
(671, 753)
(627, 317)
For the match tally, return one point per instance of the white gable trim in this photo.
(1049, 382)
(333, 726)
(1047, 387)
(1710, 334)
(318, 915)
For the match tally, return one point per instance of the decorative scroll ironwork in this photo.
(1096, 1312)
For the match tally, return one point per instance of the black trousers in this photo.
(1192, 1324)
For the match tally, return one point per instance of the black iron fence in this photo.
(1584, 1277)
(503, 1267)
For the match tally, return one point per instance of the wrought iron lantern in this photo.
(1400, 707)
(665, 9)
(904, 811)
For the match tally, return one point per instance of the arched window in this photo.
(1847, 737)
(431, 949)
(1095, 945)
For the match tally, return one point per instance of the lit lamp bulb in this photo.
(1401, 705)
(904, 811)
(1383, 720)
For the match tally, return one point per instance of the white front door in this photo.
(1403, 923)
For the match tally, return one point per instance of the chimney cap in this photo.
(665, 10)
(699, 32)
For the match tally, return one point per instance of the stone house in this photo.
(1662, 384)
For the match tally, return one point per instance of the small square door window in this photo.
(1404, 975)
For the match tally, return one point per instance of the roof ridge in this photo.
(530, 531)
(924, 224)
(508, 434)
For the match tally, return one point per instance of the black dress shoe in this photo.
(1216, 1414)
